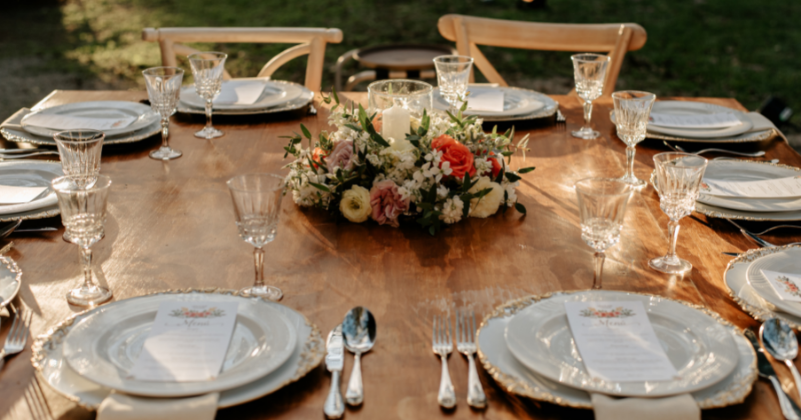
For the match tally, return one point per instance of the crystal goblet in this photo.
(83, 213)
(164, 90)
(257, 203)
(589, 71)
(207, 69)
(678, 176)
(80, 151)
(602, 206)
(632, 109)
(453, 73)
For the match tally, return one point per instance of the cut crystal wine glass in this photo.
(590, 72)
(602, 206)
(257, 203)
(83, 213)
(207, 69)
(632, 110)
(453, 73)
(80, 151)
(678, 176)
(164, 90)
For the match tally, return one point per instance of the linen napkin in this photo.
(699, 121)
(240, 92)
(126, 407)
(68, 122)
(678, 407)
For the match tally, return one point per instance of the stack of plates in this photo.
(518, 104)
(146, 123)
(89, 355)
(30, 173)
(527, 347)
(749, 287)
(277, 96)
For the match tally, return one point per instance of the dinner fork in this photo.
(466, 344)
(17, 335)
(443, 346)
(681, 149)
(753, 236)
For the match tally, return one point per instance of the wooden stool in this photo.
(391, 61)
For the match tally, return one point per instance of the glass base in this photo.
(209, 133)
(635, 182)
(586, 133)
(267, 292)
(673, 265)
(165, 153)
(88, 297)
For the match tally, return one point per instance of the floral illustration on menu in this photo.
(789, 286)
(705, 187)
(619, 312)
(188, 313)
(445, 170)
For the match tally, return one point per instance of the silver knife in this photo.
(334, 359)
(789, 409)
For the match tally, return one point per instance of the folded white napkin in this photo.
(699, 121)
(15, 195)
(679, 407)
(485, 100)
(240, 92)
(126, 407)
(67, 122)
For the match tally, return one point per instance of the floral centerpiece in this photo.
(445, 170)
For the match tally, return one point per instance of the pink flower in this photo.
(387, 204)
(340, 157)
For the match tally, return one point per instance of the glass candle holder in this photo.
(397, 102)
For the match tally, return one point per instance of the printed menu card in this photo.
(787, 286)
(187, 343)
(701, 121)
(485, 100)
(617, 342)
(15, 195)
(765, 188)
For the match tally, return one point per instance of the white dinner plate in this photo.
(98, 109)
(29, 173)
(742, 170)
(104, 345)
(694, 108)
(514, 377)
(516, 102)
(274, 94)
(10, 280)
(700, 348)
(783, 261)
(48, 359)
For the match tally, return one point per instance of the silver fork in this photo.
(17, 335)
(466, 344)
(680, 149)
(753, 236)
(443, 347)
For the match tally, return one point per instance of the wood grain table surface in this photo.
(171, 225)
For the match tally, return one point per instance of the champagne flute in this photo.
(257, 203)
(678, 176)
(207, 69)
(632, 109)
(589, 71)
(164, 89)
(453, 73)
(83, 213)
(602, 205)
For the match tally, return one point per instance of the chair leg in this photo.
(358, 78)
(338, 67)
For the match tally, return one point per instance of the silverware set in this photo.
(678, 148)
(779, 340)
(442, 345)
(755, 236)
(357, 334)
(17, 335)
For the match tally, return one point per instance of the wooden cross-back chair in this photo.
(469, 32)
(311, 41)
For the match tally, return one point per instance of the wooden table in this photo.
(171, 225)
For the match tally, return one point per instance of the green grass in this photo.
(734, 48)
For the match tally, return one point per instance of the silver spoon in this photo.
(779, 339)
(358, 329)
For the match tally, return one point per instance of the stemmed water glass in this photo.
(207, 69)
(257, 203)
(678, 176)
(590, 72)
(83, 213)
(453, 73)
(80, 151)
(164, 89)
(632, 109)
(602, 206)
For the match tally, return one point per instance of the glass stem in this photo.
(165, 133)
(86, 262)
(208, 114)
(599, 268)
(587, 114)
(630, 150)
(673, 232)
(258, 259)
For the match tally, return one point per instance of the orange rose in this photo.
(317, 156)
(455, 153)
(496, 167)
(378, 123)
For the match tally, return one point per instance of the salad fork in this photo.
(731, 152)
(466, 344)
(443, 346)
(17, 335)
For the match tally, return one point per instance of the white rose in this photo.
(355, 204)
(486, 206)
(400, 145)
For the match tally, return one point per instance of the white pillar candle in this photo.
(396, 121)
